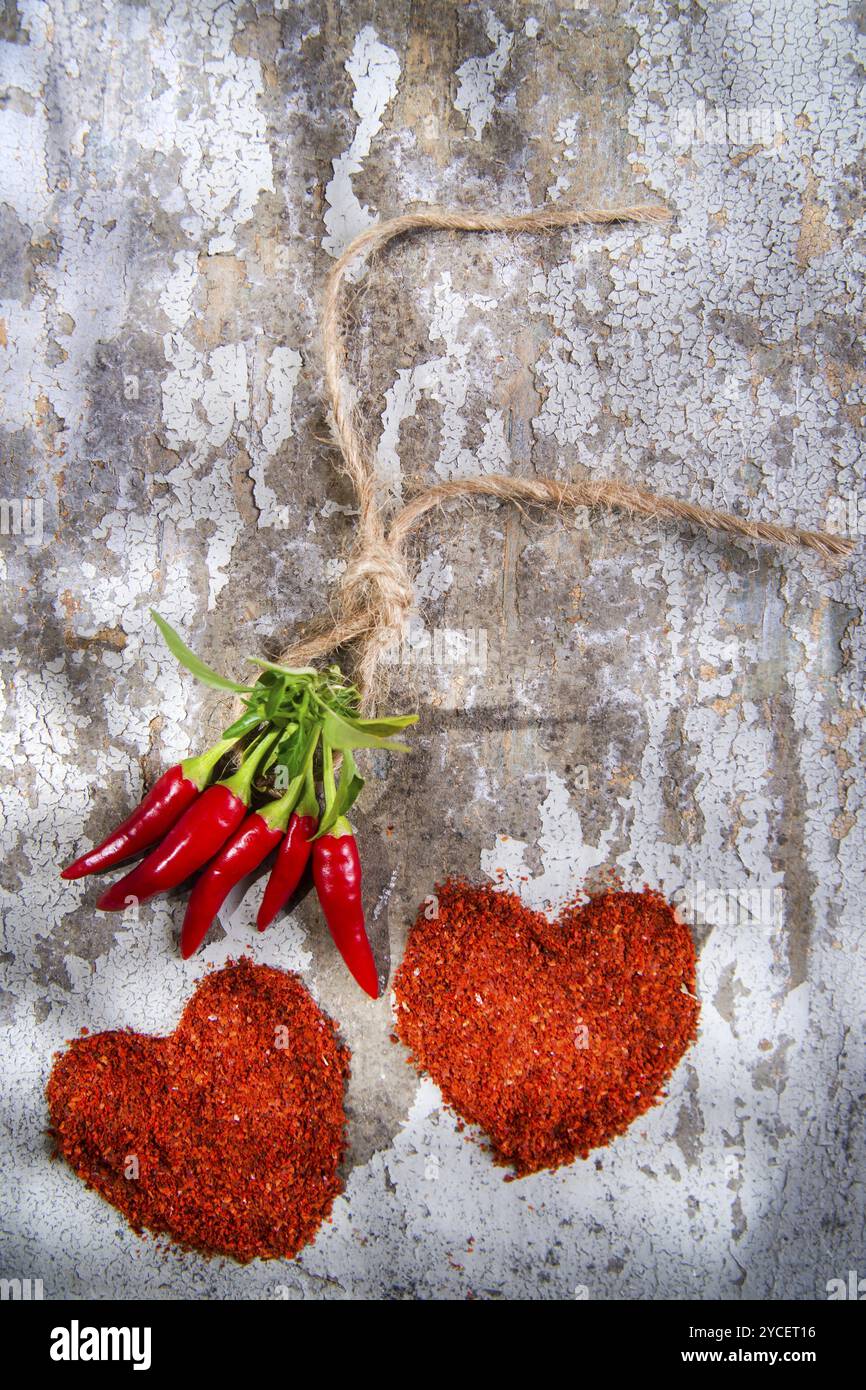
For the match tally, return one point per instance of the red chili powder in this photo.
(552, 1037)
(228, 1134)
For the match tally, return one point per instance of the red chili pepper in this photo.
(164, 804)
(196, 837)
(337, 876)
(245, 851)
(288, 870)
(296, 847)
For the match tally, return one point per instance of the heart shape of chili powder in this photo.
(226, 1135)
(553, 1037)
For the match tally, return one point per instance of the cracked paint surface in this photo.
(476, 94)
(598, 696)
(374, 69)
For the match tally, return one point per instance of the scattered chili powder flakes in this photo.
(552, 1037)
(235, 1121)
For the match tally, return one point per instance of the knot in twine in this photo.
(375, 594)
(376, 591)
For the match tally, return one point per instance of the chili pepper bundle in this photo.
(245, 851)
(164, 804)
(199, 833)
(296, 724)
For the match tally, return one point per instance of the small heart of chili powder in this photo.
(552, 1037)
(226, 1135)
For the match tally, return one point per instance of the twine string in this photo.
(376, 593)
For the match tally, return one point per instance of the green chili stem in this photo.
(276, 813)
(242, 781)
(309, 805)
(200, 769)
(328, 783)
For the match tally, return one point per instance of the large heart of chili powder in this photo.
(553, 1037)
(226, 1135)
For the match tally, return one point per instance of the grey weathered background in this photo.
(176, 181)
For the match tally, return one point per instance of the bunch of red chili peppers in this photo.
(294, 722)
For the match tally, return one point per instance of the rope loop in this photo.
(375, 594)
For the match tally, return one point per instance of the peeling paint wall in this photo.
(597, 694)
